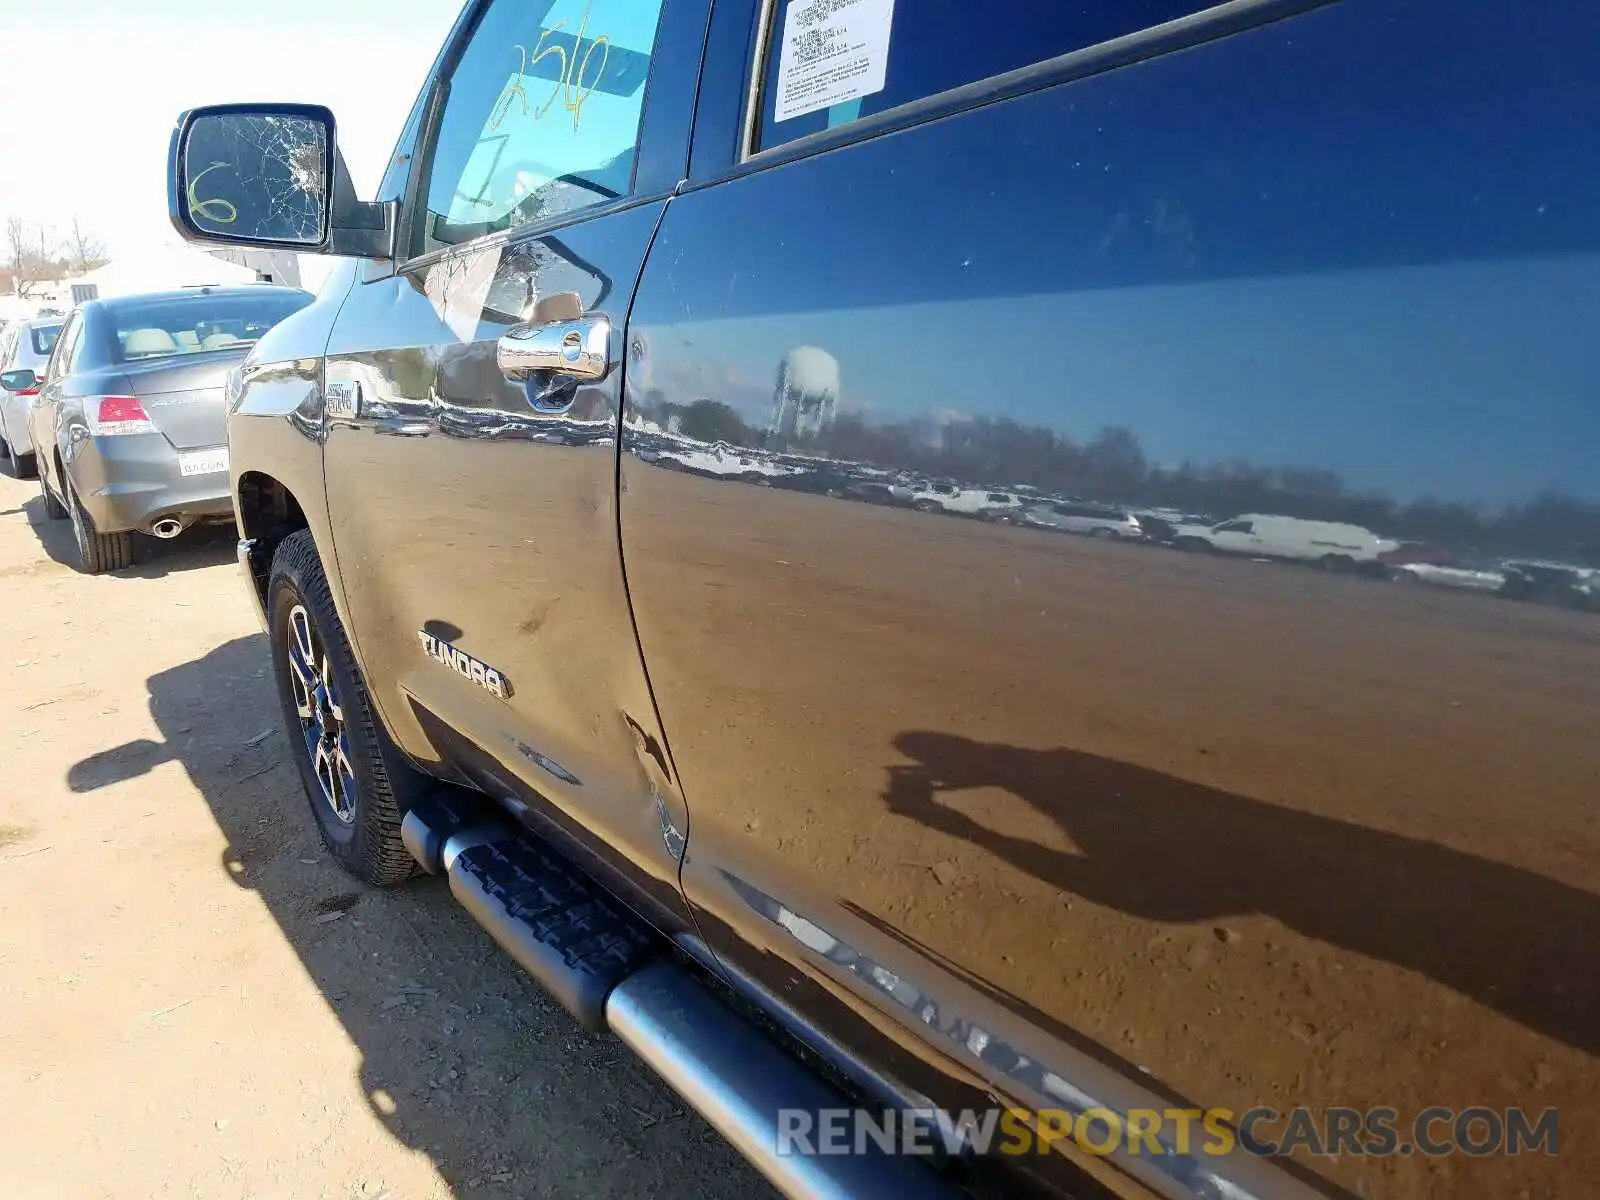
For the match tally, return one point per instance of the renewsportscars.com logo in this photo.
(1266, 1132)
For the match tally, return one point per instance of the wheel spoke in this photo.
(327, 775)
(303, 682)
(312, 734)
(321, 717)
(300, 627)
(302, 676)
(331, 693)
(347, 774)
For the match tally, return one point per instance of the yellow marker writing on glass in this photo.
(215, 210)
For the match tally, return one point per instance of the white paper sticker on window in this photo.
(833, 51)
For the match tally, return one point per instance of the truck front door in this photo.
(474, 512)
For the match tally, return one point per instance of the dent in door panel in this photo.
(519, 555)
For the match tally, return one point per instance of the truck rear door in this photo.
(1064, 821)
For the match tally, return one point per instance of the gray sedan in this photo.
(129, 422)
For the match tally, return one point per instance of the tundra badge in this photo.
(464, 665)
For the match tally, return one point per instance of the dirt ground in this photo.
(194, 1001)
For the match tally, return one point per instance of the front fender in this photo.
(275, 416)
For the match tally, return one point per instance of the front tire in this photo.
(355, 779)
(97, 552)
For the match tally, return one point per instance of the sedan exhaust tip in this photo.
(167, 528)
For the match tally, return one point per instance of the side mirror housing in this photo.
(23, 380)
(270, 175)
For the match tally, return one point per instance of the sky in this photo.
(92, 88)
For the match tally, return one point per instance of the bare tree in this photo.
(33, 249)
(18, 241)
(85, 252)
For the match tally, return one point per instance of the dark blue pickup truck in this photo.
(639, 516)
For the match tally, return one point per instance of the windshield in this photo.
(44, 339)
(197, 323)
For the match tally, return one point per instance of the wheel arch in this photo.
(268, 512)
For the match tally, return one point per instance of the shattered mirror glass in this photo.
(262, 176)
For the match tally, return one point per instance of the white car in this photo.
(1468, 578)
(24, 346)
(1333, 545)
(965, 501)
(1082, 516)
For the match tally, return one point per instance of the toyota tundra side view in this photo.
(580, 509)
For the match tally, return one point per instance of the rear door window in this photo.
(830, 62)
(66, 342)
(199, 323)
(44, 339)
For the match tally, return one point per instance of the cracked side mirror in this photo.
(269, 175)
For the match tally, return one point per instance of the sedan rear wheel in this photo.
(97, 552)
(53, 508)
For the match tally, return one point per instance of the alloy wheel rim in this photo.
(321, 715)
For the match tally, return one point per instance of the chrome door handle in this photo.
(578, 349)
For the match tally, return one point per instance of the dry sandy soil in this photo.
(194, 1001)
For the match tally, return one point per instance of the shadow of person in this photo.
(1159, 847)
(463, 1057)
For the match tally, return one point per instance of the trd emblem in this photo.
(464, 665)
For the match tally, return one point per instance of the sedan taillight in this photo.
(113, 416)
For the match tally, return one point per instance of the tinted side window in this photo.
(77, 351)
(541, 117)
(195, 324)
(66, 347)
(44, 338)
(829, 62)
